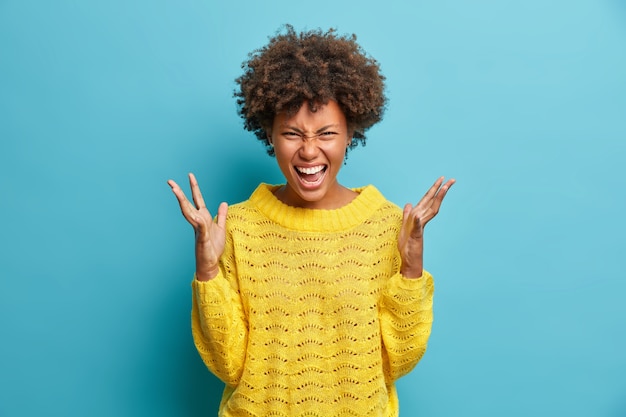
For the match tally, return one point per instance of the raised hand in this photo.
(210, 235)
(414, 219)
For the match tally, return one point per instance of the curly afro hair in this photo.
(312, 66)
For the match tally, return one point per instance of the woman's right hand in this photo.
(210, 235)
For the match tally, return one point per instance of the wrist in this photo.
(207, 274)
(411, 272)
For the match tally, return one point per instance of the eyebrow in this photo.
(320, 130)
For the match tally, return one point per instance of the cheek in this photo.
(283, 157)
(341, 150)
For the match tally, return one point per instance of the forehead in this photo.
(307, 117)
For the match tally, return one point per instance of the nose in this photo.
(308, 149)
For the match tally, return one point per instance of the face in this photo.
(310, 148)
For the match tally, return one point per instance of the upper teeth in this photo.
(310, 170)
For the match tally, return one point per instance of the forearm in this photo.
(219, 328)
(406, 317)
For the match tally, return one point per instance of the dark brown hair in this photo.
(314, 66)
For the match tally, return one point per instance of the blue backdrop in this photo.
(523, 102)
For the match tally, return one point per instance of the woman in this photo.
(310, 298)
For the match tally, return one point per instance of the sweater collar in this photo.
(317, 220)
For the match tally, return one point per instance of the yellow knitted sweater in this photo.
(309, 315)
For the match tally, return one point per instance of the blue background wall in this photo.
(523, 102)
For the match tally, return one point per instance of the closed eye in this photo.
(323, 136)
(292, 135)
(327, 135)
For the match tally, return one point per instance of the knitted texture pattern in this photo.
(309, 315)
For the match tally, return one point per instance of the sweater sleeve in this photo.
(219, 327)
(406, 317)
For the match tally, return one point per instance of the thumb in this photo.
(405, 212)
(417, 230)
(222, 211)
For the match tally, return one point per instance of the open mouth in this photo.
(311, 175)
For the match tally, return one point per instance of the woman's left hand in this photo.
(414, 219)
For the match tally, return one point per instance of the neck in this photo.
(339, 196)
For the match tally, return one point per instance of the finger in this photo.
(441, 193)
(444, 188)
(430, 208)
(195, 192)
(178, 192)
(450, 183)
(222, 211)
(189, 211)
(432, 191)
